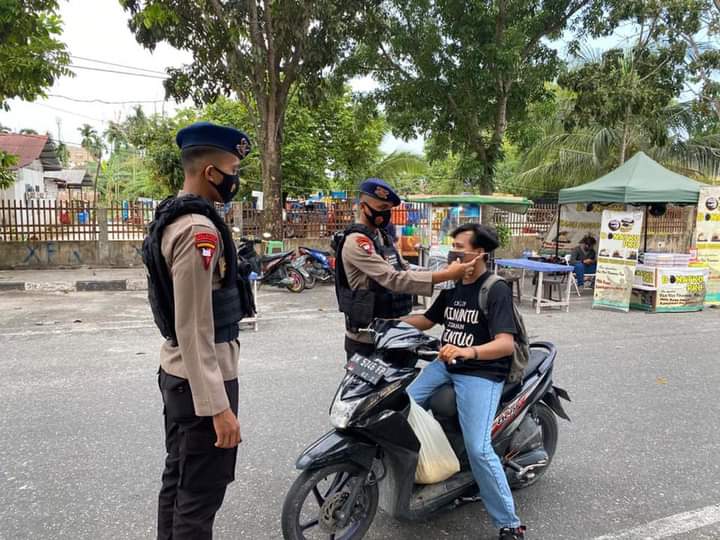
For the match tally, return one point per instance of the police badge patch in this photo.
(207, 244)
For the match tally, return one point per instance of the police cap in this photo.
(379, 189)
(224, 138)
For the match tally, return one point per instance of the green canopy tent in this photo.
(638, 181)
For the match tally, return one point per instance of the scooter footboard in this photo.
(337, 447)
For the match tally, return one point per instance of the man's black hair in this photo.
(480, 237)
(588, 239)
(194, 157)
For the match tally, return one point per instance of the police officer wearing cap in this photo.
(373, 280)
(198, 295)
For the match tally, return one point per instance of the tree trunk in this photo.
(97, 174)
(272, 180)
(626, 130)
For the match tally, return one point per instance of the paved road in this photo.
(80, 420)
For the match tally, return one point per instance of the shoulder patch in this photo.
(206, 243)
(365, 243)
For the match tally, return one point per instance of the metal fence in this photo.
(47, 220)
(536, 221)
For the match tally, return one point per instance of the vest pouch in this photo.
(358, 306)
(227, 312)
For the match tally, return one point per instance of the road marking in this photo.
(669, 526)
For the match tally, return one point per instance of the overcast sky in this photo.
(97, 30)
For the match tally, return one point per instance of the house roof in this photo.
(74, 177)
(28, 148)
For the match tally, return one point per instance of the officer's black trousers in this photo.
(358, 347)
(196, 472)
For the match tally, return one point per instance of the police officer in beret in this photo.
(373, 280)
(197, 296)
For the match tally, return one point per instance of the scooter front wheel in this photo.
(317, 504)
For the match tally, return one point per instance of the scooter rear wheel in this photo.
(545, 417)
(298, 281)
(315, 500)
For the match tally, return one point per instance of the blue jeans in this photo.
(477, 400)
(581, 269)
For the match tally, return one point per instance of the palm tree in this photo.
(116, 136)
(7, 177)
(93, 144)
(403, 170)
(568, 159)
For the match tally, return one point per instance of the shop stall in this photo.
(627, 275)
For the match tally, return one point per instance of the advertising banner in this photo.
(707, 239)
(575, 222)
(620, 233)
(680, 289)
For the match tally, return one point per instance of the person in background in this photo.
(584, 259)
(391, 232)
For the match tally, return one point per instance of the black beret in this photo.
(224, 138)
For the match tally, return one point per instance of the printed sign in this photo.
(707, 239)
(617, 258)
(680, 289)
(576, 221)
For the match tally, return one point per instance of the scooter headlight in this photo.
(343, 412)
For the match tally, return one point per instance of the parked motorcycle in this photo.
(370, 458)
(277, 270)
(319, 265)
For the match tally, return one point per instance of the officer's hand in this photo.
(458, 270)
(227, 429)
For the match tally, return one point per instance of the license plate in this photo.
(365, 368)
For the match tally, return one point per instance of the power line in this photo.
(66, 111)
(88, 68)
(118, 65)
(130, 102)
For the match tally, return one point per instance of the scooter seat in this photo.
(322, 251)
(276, 256)
(442, 402)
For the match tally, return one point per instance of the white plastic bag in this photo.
(437, 460)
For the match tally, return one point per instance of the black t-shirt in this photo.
(458, 310)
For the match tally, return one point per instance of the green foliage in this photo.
(31, 56)
(463, 71)
(333, 144)
(263, 52)
(504, 235)
(7, 176)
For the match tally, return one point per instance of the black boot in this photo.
(517, 533)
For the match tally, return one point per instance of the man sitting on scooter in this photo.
(475, 358)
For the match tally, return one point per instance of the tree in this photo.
(7, 176)
(462, 71)
(262, 51)
(31, 56)
(116, 136)
(28, 131)
(93, 144)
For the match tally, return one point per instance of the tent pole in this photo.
(646, 229)
(557, 233)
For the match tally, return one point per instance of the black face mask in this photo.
(227, 189)
(455, 256)
(379, 218)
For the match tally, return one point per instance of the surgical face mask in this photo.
(379, 218)
(227, 189)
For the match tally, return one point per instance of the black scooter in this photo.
(277, 270)
(369, 459)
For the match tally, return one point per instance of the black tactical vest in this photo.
(231, 302)
(361, 306)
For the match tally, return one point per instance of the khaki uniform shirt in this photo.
(363, 264)
(195, 272)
